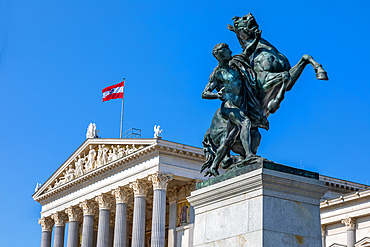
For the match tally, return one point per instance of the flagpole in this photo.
(123, 97)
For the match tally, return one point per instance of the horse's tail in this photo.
(209, 150)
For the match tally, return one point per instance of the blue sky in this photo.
(57, 56)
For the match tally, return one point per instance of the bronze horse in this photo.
(274, 76)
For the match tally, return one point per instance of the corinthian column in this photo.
(74, 221)
(351, 233)
(172, 214)
(140, 189)
(59, 221)
(46, 227)
(95, 231)
(160, 181)
(105, 203)
(120, 230)
(88, 208)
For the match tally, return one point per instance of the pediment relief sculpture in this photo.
(97, 157)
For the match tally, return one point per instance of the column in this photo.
(140, 189)
(111, 229)
(172, 221)
(74, 222)
(95, 231)
(46, 227)
(323, 235)
(160, 182)
(130, 216)
(105, 203)
(59, 222)
(89, 208)
(351, 233)
(120, 230)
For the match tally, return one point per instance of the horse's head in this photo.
(244, 27)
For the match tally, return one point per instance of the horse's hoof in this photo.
(321, 73)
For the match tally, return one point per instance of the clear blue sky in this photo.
(57, 56)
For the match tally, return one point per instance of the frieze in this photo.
(97, 157)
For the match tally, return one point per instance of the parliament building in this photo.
(133, 192)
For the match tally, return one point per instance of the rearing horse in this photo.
(274, 76)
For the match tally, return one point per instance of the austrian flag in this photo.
(113, 92)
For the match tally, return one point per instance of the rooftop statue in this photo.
(251, 86)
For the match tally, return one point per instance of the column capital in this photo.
(122, 194)
(73, 213)
(350, 223)
(160, 180)
(140, 188)
(323, 230)
(172, 194)
(88, 207)
(46, 224)
(59, 218)
(104, 201)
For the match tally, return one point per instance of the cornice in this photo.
(160, 146)
(358, 195)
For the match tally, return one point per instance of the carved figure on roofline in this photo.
(157, 131)
(70, 173)
(90, 160)
(112, 154)
(91, 131)
(121, 151)
(79, 166)
(104, 155)
(265, 75)
(99, 158)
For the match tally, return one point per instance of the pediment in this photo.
(365, 242)
(337, 245)
(94, 154)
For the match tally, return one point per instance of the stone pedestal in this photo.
(265, 204)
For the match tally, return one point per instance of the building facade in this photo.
(132, 192)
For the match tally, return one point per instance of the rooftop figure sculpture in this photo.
(251, 86)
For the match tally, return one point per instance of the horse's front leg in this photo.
(297, 70)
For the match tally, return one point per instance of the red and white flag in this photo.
(113, 92)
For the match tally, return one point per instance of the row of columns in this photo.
(106, 227)
(350, 224)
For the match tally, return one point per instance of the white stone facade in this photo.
(125, 177)
(109, 168)
(345, 218)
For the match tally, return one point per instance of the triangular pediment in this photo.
(365, 242)
(337, 245)
(92, 155)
